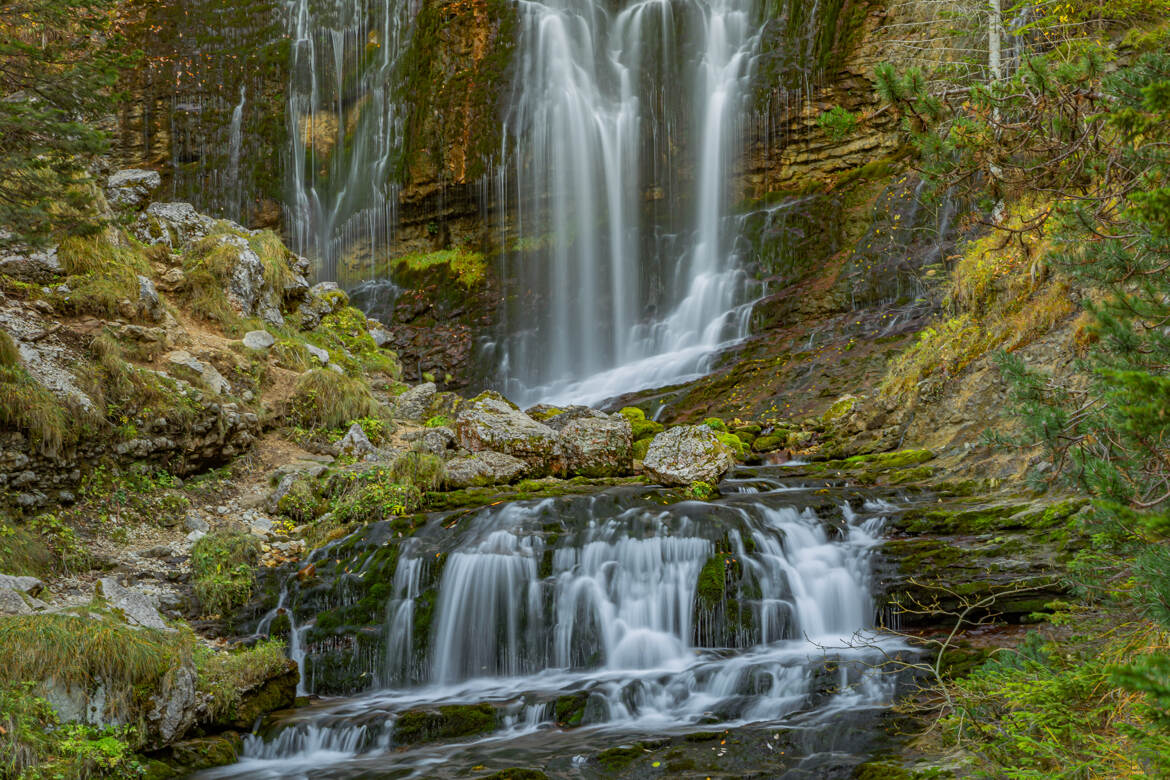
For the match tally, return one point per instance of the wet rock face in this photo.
(686, 454)
(490, 423)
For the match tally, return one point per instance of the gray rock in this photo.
(435, 441)
(322, 298)
(174, 224)
(321, 355)
(30, 585)
(259, 339)
(597, 445)
(174, 707)
(195, 536)
(381, 336)
(29, 265)
(355, 443)
(132, 187)
(484, 468)
(415, 402)
(195, 522)
(138, 608)
(12, 603)
(686, 454)
(489, 422)
(173, 279)
(148, 302)
(208, 375)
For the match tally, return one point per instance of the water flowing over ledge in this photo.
(655, 619)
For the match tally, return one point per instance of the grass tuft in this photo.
(325, 399)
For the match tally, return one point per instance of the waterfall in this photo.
(345, 124)
(754, 608)
(628, 277)
(235, 143)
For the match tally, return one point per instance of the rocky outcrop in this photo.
(174, 225)
(686, 454)
(491, 422)
(30, 265)
(415, 403)
(132, 187)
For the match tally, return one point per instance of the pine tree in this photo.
(59, 60)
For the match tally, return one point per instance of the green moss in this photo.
(773, 441)
(344, 334)
(700, 491)
(518, 774)
(737, 446)
(711, 587)
(570, 710)
(469, 268)
(235, 682)
(715, 424)
(642, 429)
(448, 722)
(223, 570)
(546, 414)
(632, 413)
(618, 758)
(439, 421)
(640, 448)
(840, 408)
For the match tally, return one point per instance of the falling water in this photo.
(345, 124)
(235, 142)
(627, 273)
(754, 608)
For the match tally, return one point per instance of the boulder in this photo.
(173, 224)
(27, 265)
(686, 454)
(148, 302)
(208, 375)
(321, 355)
(30, 585)
(381, 336)
(132, 187)
(415, 402)
(247, 291)
(259, 339)
(483, 468)
(175, 706)
(138, 608)
(435, 441)
(13, 602)
(321, 299)
(355, 443)
(596, 445)
(490, 422)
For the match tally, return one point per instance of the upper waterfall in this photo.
(624, 125)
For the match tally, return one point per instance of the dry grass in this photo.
(1001, 296)
(326, 399)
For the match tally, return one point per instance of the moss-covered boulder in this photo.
(448, 722)
(490, 423)
(597, 445)
(686, 454)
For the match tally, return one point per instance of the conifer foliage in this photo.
(59, 60)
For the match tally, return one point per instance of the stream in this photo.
(587, 622)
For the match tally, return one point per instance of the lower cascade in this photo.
(528, 632)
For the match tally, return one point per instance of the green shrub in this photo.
(838, 122)
(28, 406)
(439, 421)
(324, 398)
(700, 491)
(421, 469)
(715, 424)
(9, 354)
(223, 569)
(35, 744)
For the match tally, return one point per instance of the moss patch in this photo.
(448, 722)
